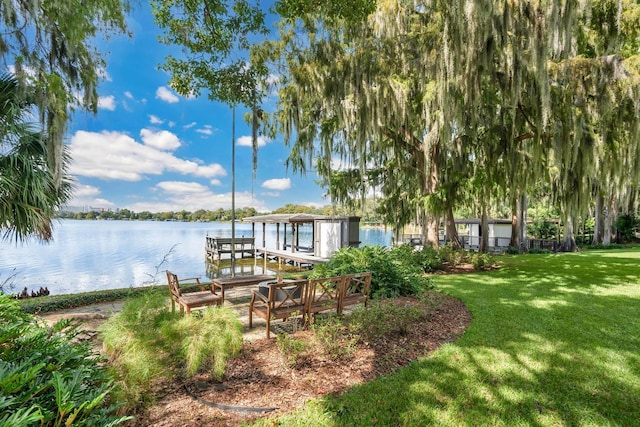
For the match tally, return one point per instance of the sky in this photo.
(149, 149)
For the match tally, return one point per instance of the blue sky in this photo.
(149, 149)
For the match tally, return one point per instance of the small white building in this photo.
(329, 233)
(470, 233)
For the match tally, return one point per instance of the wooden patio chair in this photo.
(324, 295)
(188, 300)
(284, 300)
(355, 290)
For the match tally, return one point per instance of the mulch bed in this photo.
(261, 377)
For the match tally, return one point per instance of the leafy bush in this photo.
(290, 348)
(451, 256)
(609, 246)
(382, 318)
(47, 379)
(482, 261)
(429, 258)
(332, 334)
(147, 342)
(512, 250)
(394, 271)
(627, 224)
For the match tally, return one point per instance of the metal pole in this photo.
(233, 191)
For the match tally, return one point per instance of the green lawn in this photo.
(555, 340)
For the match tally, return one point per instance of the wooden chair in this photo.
(284, 300)
(323, 295)
(189, 300)
(355, 290)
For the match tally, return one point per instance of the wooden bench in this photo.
(284, 300)
(187, 301)
(355, 290)
(308, 297)
(323, 295)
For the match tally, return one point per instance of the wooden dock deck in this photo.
(297, 258)
(216, 247)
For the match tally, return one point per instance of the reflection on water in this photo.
(93, 255)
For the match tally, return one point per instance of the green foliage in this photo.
(382, 318)
(429, 258)
(394, 271)
(148, 343)
(45, 378)
(49, 303)
(627, 225)
(512, 250)
(482, 261)
(290, 348)
(334, 337)
(542, 229)
(452, 256)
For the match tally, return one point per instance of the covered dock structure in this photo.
(328, 234)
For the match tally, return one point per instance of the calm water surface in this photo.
(93, 255)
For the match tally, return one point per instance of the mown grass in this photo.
(555, 340)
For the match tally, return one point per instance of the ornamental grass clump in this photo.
(147, 343)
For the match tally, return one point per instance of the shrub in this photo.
(147, 343)
(382, 318)
(290, 348)
(47, 379)
(482, 261)
(627, 224)
(452, 256)
(334, 338)
(394, 271)
(429, 258)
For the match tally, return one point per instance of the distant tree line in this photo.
(203, 215)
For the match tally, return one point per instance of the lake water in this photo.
(94, 255)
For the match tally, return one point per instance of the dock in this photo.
(299, 259)
(216, 247)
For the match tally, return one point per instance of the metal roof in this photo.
(293, 218)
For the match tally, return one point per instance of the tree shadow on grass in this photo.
(551, 346)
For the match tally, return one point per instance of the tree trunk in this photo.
(484, 230)
(598, 225)
(522, 229)
(430, 235)
(515, 222)
(568, 238)
(451, 229)
(610, 215)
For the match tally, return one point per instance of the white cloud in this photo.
(107, 102)
(270, 193)
(117, 156)
(166, 95)
(163, 140)
(171, 124)
(278, 184)
(87, 195)
(191, 196)
(206, 130)
(155, 120)
(245, 141)
(128, 95)
(215, 182)
(190, 125)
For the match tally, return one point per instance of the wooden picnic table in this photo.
(233, 282)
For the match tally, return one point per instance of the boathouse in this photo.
(329, 233)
